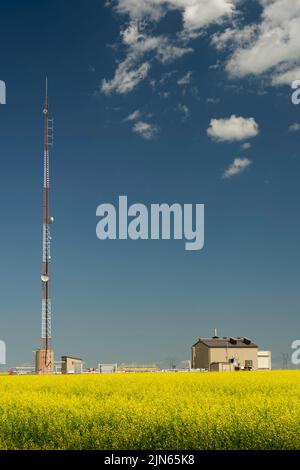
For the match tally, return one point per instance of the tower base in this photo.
(44, 361)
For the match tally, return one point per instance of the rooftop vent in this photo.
(215, 336)
(246, 340)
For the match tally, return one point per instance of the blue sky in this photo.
(176, 69)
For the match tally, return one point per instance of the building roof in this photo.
(136, 366)
(71, 357)
(227, 342)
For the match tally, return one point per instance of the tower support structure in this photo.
(45, 355)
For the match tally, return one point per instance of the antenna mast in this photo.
(45, 355)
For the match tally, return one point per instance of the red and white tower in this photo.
(45, 355)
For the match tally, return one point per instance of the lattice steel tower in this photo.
(45, 355)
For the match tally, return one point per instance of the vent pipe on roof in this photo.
(215, 333)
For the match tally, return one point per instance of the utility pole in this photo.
(285, 360)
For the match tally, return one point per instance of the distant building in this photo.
(107, 368)
(225, 353)
(264, 360)
(71, 365)
(134, 367)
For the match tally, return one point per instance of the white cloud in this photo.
(185, 80)
(127, 77)
(294, 127)
(213, 100)
(232, 36)
(237, 166)
(131, 35)
(138, 40)
(233, 128)
(166, 77)
(138, 9)
(269, 46)
(167, 53)
(215, 66)
(246, 146)
(145, 129)
(133, 116)
(196, 14)
(286, 78)
(184, 110)
(164, 95)
(201, 13)
(134, 68)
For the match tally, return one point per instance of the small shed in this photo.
(71, 365)
(264, 360)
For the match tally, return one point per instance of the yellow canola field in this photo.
(240, 410)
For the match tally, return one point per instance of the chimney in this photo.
(215, 333)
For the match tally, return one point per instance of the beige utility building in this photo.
(71, 365)
(225, 353)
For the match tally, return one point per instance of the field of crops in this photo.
(246, 410)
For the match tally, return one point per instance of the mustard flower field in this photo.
(239, 410)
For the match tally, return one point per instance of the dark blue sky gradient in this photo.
(144, 300)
